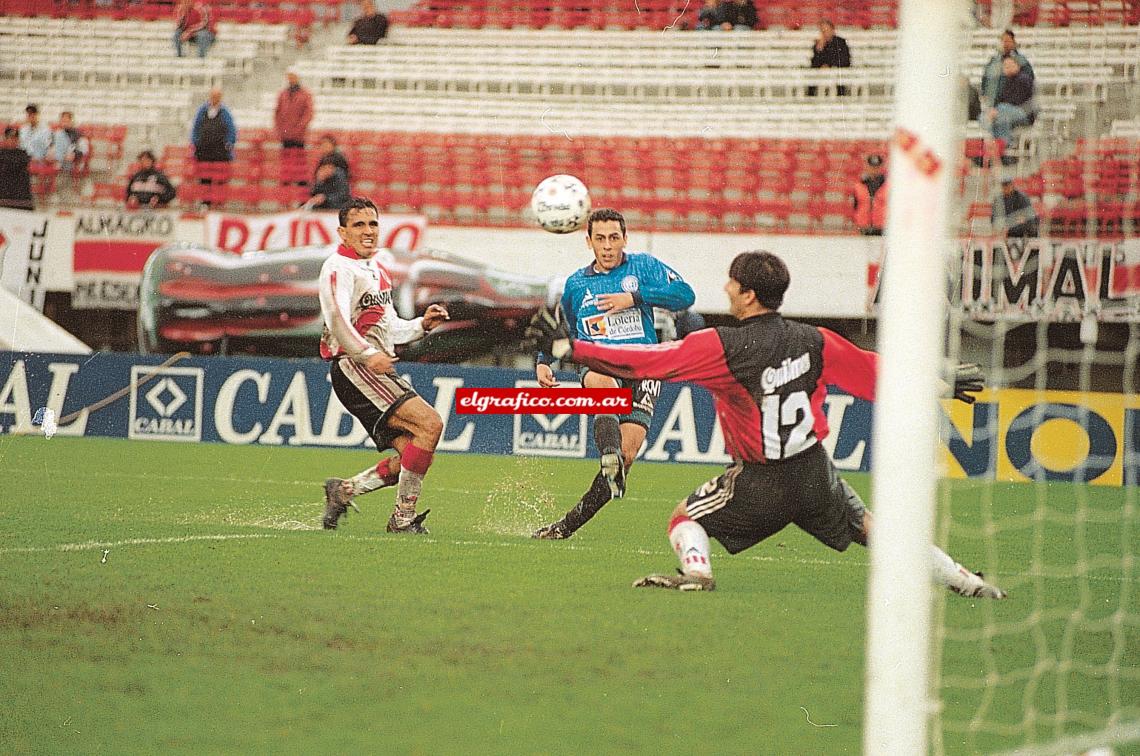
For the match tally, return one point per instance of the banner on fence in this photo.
(1040, 435)
(109, 252)
(251, 233)
(23, 238)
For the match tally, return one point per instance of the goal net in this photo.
(1039, 481)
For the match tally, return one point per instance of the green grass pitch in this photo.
(159, 597)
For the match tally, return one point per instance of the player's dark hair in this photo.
(762, 273)
(604, 214)
(356, 203)
(11, 132)
(1010, 33)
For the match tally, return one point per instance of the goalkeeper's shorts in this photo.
(750, 501)
(371, 398)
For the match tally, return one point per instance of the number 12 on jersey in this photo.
(780, 413)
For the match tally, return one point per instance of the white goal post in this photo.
(925, 153)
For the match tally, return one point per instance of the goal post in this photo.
(924, 158)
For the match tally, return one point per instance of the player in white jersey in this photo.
(360, 334)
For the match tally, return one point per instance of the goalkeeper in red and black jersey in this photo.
(768, 377)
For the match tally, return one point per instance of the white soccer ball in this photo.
(560, 204)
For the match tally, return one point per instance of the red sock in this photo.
(414, 459)
(677, 521)
(389, 470)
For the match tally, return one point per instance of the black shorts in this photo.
(645, 394)
(751, 501)
(371, 398)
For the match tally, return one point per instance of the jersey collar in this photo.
(345, 251)
(589, 269)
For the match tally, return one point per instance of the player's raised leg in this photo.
(618, 440)
(422, 427)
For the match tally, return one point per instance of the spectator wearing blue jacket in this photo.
(213, 136)
(214, 133)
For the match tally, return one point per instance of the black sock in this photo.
(607, 434)
(592, 501)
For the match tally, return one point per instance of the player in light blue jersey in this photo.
(611, 301)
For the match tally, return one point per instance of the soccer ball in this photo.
(560, 203)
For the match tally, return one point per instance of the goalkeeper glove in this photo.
(968, 381)
(549, 332)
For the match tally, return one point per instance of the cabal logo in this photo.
(168, 407)
(549, 435)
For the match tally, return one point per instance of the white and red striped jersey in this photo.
(356, 303)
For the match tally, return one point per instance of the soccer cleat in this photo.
(979, 588)
(613, 469)
(337, 501)
(678, 582)
(402, 524)
(555, 531)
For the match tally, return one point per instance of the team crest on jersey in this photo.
(588, 300)
(629, 284)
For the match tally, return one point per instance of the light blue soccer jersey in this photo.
(652, 284)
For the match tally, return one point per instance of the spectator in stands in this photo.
(869, 198)
(35, 137)
(1015, 106)
(829, 51)
(149, 186)
(738, 14)
(15, 180)
(710, 17)
(331, 154)
(195, 23)
(214, 135)
(992, 76)
(1014, 213)
(370, 28)
(330, 189)
(68, 143)
(973, 99)
(293, 114)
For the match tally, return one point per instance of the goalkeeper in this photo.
(611, 301)
(768, 377)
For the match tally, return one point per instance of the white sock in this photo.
(366, 481)
(949, 573)
(691, 543)
(408, 490)
(372, 479)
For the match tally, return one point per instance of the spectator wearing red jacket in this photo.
(195, 23)
(294, 113)
(869, 196)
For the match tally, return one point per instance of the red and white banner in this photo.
(252, 233)
(109, 252)
(22, 245)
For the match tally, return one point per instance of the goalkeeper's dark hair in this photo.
(763, 274)
(604, 214)
(356, 203)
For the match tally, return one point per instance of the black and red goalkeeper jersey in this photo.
(768, 377)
